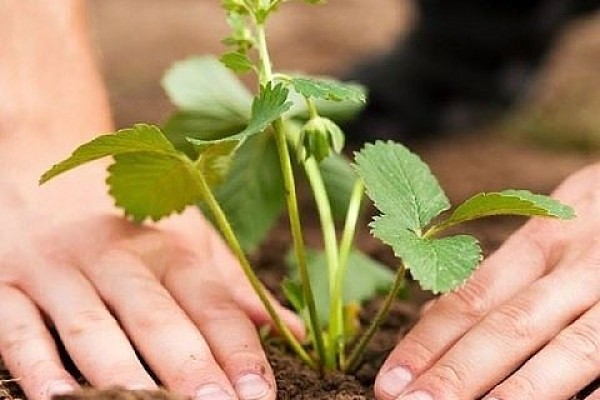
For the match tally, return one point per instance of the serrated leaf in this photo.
(401, 184)
(329, 89)
(205, 86)
(237, 62)
(508, 202)
(365, 279)
(270, 104)
(339, 178)
(253, 194)
(154, 185)
(140, 137)
(338, 111)
(439, 265)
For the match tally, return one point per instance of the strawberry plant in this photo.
(238, 156)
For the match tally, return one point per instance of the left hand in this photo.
(526, 326)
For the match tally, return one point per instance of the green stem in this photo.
(298, 239)
(259, 289)
(292, 202)
(359, 349)
(345, 248)
(336, 316)
(350, 226)
(312, 109)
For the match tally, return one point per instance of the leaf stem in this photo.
(292, 201)
(234, 245)
(350, 226)
(312, 109)
(347, 240)
(336, 316)
(359, 349)
(298, 239)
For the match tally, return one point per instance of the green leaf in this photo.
(338, 111)
(204, 85)
(329, 89)
(339, 178)
(200, 126)
(237, 62)
(365, 279)
(214, 160)
(234, 6)
(270, 104)
(440, 265)
(508, 202)
(203, 126)
(155, 185)
(293, 293)
(140, 137)
(241, 36)
(253, 194)
(401, 184)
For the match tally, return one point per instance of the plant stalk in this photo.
(347, 240)
(231, 239)
(292, 203)
(359, 349)
(336, 316)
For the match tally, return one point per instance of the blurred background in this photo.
(553, 132)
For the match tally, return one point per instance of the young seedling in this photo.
(237, 155)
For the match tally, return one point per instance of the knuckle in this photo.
(412, 351)
(518, 387)
(88, 321)
(582, 341)
(451, 377)
(470, 301)
(159, 312)
(222, 312)
(18, 337)
(513, 322)
(195, 365)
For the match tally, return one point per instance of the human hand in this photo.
(170, 292)
(526, 326)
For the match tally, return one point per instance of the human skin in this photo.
(526, 326)
(170, 292)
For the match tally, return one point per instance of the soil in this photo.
(565, 107)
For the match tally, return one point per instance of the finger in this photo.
(228, 330)
(93, 338)
(427, 306)
(244, 295)
(28, 350)
(521, 261)
(162, 332)
(503, 340)
(595, 395)
(569, 363)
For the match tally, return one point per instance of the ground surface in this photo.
(138, 39)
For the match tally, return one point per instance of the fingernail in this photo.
(419, 395)
(252, 387)
(394, 381)
(212, 392)
(59, 388)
